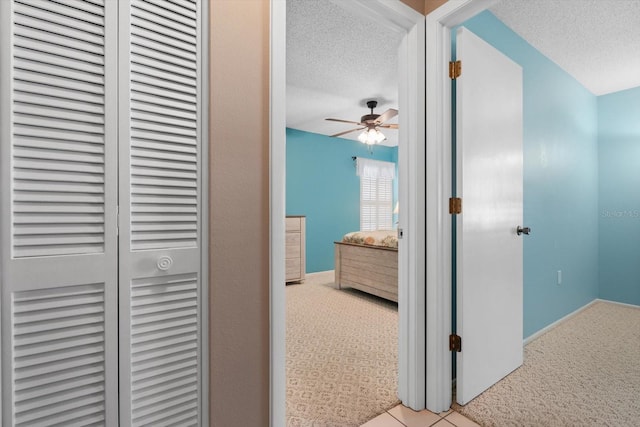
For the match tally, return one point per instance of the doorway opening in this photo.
(410, 24)
(341, 310)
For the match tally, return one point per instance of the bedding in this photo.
(384, 238)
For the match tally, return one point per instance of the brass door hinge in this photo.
(455, 343)
(455, 69)
(455, 205)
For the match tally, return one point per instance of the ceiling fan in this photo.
(370, 124)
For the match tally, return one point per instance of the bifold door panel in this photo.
(160, 207)
(101, 125)
(59, 188)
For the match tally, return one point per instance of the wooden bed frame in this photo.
(371, 269)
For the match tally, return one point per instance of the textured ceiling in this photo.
(596, 41)
(337, 60)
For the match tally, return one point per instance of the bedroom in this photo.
(323, 185)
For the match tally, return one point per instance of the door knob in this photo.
(523, 230)
(164, 262)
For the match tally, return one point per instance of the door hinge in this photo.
(455, 205)
(455, 343)
(455, 69)
(117, 220)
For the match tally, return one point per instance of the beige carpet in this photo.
(585, 372)
(342, 364)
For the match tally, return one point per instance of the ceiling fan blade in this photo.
(388, 126)
(348, 131)
(344, 121)
(387, 115)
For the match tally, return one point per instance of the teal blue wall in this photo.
(560, 180)
(619, 168)
(322, 184)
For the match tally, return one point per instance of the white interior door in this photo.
(489, 181)
(160, 213)
(58, 235)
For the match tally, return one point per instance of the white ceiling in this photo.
(337, 60)
(596, 41)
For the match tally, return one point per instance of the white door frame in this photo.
(439, 24)
(400, 18)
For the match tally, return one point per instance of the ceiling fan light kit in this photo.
(371, 136)
(370, 124)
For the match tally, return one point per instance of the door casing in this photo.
(439, 259)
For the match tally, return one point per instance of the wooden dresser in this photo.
(295, 265)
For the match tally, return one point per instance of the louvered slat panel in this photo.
(163, 13)
(64, 104)
(153, 136)
(142, 40)
(62, 70)
(172, 209)
(59, 219)
(152, 38)
(139, 21)
(171, 86)
(149, 96)
(58, 128)
(60, 114)
(164, 349)
(146, 51)
(83, 5)
(33, 10)
(82, 101)
(164, 125)
(53, 144)
(58, 355)
(56, 176)
(94, 16)
(159, 110)
(189, 5)
(167, 118)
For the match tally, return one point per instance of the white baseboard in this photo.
(558, 322)
(618, 303)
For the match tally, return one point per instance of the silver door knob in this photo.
(523, 230)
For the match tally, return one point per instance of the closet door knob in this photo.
(164, 262)
(523, 230)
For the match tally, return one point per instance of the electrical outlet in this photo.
(559, 277)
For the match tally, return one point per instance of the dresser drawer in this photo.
(295, 264)
(292, 269)
(292, 224)
(292, 245)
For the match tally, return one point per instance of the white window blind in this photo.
(376, 197)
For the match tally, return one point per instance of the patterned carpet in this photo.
(585, 372)
(342, 364)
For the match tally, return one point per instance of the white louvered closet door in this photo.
(58, 165)
(160, 213)
(100, 111)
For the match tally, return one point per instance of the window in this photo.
(376, 194)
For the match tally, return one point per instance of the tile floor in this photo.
(401, 416)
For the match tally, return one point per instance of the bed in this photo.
(368, 261)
